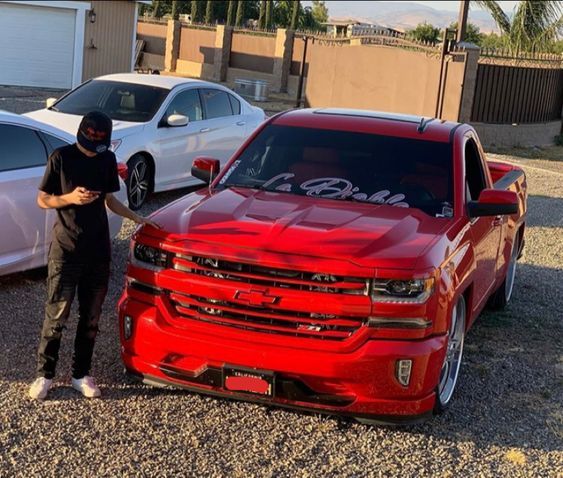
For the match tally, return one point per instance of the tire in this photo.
(139, 180)
(452, 361)
(501, 297)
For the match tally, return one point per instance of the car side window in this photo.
(186, 103)
(21, 148)
(474, 177)
(52, 142)
(235, 105)
(216, 102)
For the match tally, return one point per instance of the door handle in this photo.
(498, 221)
(241, 123)
(204, 130)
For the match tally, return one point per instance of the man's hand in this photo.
(120, 209)
(145, 221)
(81, 196)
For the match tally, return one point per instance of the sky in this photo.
(438, 5)
(454, 5)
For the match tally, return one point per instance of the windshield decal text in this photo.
(335, 188)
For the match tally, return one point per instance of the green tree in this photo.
(262, 14)
(319, 11)
(231, 12)
(492, 41)
(295, 14)
(209, 12)
(534, 26)
(240, 14)
(472, 33)
(425, 32)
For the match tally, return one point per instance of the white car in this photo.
(26, 228)
(160, 124)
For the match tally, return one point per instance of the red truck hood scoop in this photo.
(365, 234)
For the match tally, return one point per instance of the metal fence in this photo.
(513, 94)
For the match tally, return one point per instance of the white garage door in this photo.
(37, 46)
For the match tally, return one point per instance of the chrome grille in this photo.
(270, 277)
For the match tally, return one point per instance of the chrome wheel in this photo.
(454, 352)
(511, 273)
(139, 182)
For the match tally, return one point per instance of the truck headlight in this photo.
(411, 291)
(148, 257)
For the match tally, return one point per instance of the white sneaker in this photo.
(86, 386)
(39, 388)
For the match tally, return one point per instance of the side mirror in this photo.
(177, 120)
(50, 102)
(493, 202)
(205, 169)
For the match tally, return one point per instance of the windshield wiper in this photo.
(54, 108)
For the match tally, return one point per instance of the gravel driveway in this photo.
(506, 419)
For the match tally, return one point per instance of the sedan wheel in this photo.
(138, 181)
(454, 352)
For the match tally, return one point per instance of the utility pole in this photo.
(462, 20)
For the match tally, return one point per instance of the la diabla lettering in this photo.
(334, 188)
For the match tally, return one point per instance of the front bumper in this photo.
(359, 383)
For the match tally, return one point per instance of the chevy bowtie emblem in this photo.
(256, 297)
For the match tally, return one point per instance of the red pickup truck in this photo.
(335, 265)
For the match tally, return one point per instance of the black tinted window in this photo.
(473, 172)
(120, 101)
(235, 105)
(186, 103)
(21, 148)
(348, 166)
(216, 103)
(52, 142)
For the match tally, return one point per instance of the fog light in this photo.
(403, 370)
(127, 327)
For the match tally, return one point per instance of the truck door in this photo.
(486, 230)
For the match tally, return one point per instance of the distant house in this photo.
(59, 44)
(350, 27)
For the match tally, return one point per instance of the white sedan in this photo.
(160, 124)
(26, 228)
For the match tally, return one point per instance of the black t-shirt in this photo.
(81, 233)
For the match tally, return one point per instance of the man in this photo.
(79, 183)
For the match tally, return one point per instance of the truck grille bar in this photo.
(267, 318)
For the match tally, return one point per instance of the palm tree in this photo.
(194, 11)
(268, 22)
(533, 27)
(209, 12)
(240, 13)
(230, 13)
(262, 14)
(294, 15)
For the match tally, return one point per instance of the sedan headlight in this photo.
(412, 291)
(148, 257)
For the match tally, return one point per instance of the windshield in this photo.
(120, 101)
(346, 165)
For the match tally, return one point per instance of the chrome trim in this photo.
(399, 323)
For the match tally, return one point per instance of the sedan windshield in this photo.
(120, 101)
(351, 166)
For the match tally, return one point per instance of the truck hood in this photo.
(70, 123)
(367, 235)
